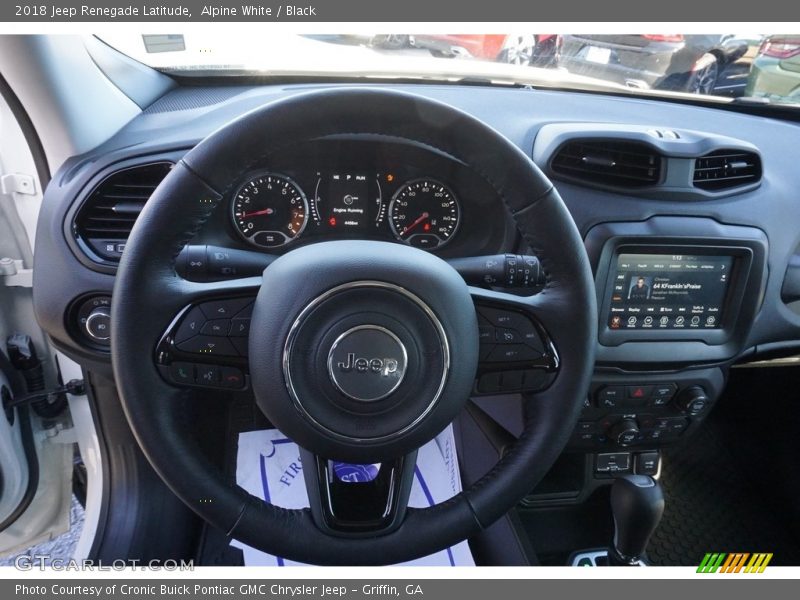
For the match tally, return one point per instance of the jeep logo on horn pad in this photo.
(384, 366)
(367, 363)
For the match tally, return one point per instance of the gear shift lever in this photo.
(637, 504)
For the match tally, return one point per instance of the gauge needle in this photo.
(266, 211)
(419, 220)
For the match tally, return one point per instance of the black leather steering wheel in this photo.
(320, 298)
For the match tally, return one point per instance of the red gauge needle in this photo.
(255, 213)
(419, 220)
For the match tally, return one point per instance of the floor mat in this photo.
(713, 505)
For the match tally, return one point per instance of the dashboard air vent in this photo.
(610, 163)
(106, 217)
(724, 169)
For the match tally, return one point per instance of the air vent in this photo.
(106, 217)
(725, 169)
(610, 163)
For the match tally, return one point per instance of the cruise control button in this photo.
(531, 337)
(533, 379)
(216, 327)
(486, 335)
(505, 318)
(212, 346)
(182, 372)
(489, 382)
(224, 309)
(231, 377)
(207, 374)
(239, 327)
(508, 336)
(191, 325)
(512, 381)
(512, 353)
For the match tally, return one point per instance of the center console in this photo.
(676, 297)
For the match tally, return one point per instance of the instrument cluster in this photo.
(271, 209)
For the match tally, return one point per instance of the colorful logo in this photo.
(735, 562)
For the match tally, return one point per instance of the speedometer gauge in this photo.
(270, 210)
(424, 213)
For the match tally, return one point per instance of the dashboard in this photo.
(688, 215)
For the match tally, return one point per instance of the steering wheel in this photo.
(359, 351)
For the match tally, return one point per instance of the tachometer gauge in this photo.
(424, 213)
(270, 210)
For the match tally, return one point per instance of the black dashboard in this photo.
(689, 215)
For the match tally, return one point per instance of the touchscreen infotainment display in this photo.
(669, 291)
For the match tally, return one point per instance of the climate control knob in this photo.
(98, 324)
(692, 400)
(625, 432)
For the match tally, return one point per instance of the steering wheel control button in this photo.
(231, 377)
(240, 327)
(511, 328)
(486, 335)
(534, 379)
(208, 345)
(508, 336)
(367, 363)
(490, 382)
(512, 381)
(182, 372)
(216, 327)
(207, 375)
(224, 309)
(504, 318)
(512, 353)
(191, 325)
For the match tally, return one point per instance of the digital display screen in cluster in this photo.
(343, 201)
(669, 291)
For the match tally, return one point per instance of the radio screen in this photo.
(664, 291)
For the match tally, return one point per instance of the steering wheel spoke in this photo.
(206, 343)
(516, 352)
(349, 500)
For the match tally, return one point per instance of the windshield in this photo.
(752, 67)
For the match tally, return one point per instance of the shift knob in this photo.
(637, 504)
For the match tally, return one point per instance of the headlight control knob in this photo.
(98, 324)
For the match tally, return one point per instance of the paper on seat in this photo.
(268, 466)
